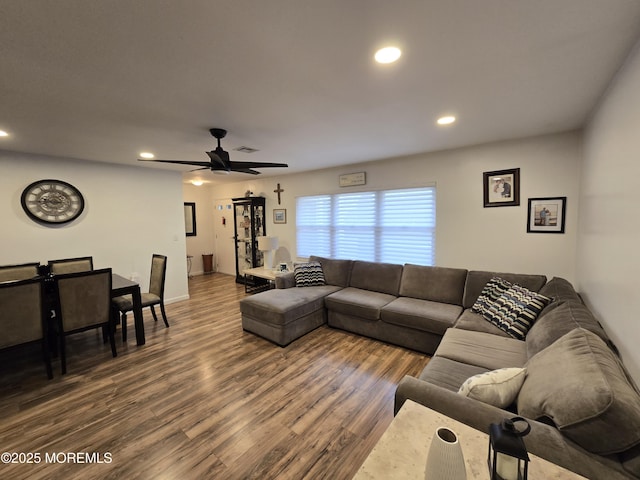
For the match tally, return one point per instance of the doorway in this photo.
(225, 255)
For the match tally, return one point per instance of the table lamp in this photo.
(268, 245)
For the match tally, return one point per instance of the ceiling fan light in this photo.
(3, 133)
(197, 183)
(387, 55)
(146, 155)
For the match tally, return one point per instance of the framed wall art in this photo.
(501, 188)
(546, 215)
(279, 215)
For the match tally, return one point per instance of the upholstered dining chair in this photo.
(70, 265)
(84, 303)
(22, 316)
(10, 273)
(155, 296)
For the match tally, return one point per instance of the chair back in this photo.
(71, 265)
(158, 274)
(21, 312)
(85, 299)
(9, 273)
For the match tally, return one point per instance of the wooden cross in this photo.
(278, 191)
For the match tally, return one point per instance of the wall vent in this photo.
(246, 149)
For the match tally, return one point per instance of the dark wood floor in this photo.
(201, 400)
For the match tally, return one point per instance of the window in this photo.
(393, 226)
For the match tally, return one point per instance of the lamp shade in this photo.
(267, 243)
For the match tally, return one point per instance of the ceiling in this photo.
(103, 81)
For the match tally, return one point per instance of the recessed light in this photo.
(447, 120)
(3, 133)
(146, 155)
(387, 55)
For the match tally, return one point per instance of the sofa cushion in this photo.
(496, 387)
(434, 317)
(516, 310)
(437, 284)
(476, 322)
(476, 280)
(358, 302)
(447, 373)
(560, 290)
(560, 321)
(580, 385)
(377, 277)
(336, 272)
(482, 349)
(494, 288)
(308, 274)
(281, 306)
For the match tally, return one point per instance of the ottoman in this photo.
(283, 315)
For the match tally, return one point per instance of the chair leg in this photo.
(111, 330)
(63, 354)
(153, 312)
(47, 357)
(124, 327)
(164, 315)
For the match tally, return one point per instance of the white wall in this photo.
(130, 213)
(204, 241)
(609, 235)
(468, 235)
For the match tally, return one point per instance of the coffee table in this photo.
(401, 452)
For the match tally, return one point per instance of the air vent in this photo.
(246, 149)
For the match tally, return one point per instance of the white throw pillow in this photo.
(497, 387)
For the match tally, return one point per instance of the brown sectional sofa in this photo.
(583, 407)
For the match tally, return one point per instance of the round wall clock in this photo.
(52, 202)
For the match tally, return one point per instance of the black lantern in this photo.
(508, 458)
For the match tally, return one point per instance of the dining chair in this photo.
(84, 303)
(22, 316)
(70, 265)
(9, 273)
(155, 296)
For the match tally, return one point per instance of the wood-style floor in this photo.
(201, 400)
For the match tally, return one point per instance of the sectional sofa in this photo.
(564, 374)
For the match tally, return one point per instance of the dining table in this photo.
(123, 286)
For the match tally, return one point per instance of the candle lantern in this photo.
(508, 458)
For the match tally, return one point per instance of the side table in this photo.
(267, 274)
(401, 452)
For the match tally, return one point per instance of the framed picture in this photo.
(279, 215)
(546, 215)
(190, 218)
(502, 188)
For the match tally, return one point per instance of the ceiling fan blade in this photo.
(201, 168)
(238, 165)
(246, 170)
(178, 162)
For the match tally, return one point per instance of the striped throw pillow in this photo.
(308, 274)
(490, 293)
(516, 310)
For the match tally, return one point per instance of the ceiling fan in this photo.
(219, 160)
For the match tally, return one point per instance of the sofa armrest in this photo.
(286, 280)
(544, 440)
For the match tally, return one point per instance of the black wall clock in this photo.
(52, 202)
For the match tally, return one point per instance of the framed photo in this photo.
(502, 188)
(546, 215)
(190, 218)
(279, 215)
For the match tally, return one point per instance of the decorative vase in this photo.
(445, 460)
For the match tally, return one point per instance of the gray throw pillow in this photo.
(580, 385)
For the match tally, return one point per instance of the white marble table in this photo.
(401, 452)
